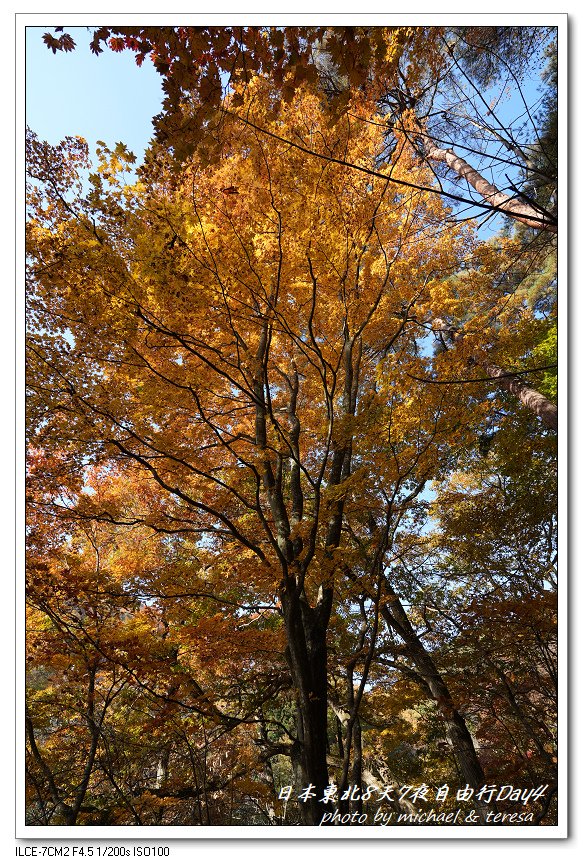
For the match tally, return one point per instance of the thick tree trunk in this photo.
(528, 396)
(306, 625)
(520, 210)
(307, 658)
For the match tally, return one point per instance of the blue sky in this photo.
(105, 98)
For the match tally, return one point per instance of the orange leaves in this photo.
(254, 434)
(116, 44)
(203, 296)
(62, 43)
(223, 643)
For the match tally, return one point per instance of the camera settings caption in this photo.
(61, 850)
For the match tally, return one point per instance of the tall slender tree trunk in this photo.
(518, 209)
(456, 731)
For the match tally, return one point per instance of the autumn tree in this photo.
(258, 339)
(250, 371)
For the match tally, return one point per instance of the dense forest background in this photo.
(291, 490)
